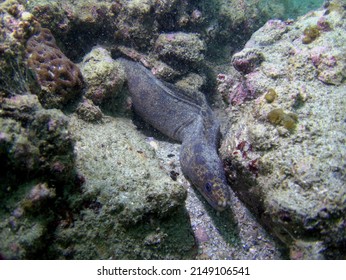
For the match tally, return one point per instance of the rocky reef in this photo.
(48, 185)
(30, 53)
(81, 181)
(285, 151)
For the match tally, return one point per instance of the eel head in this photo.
(204, 169)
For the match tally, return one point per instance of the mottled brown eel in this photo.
(186, 117)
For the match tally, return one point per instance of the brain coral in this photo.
(60, 79)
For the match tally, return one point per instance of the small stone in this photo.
(89, 112)
(201, 235)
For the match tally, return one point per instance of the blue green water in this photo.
(290, 9)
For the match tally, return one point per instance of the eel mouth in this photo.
(222, 205)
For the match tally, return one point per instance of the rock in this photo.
(36, 155)
(123, 206)
(293, 177)
(181, 47)
(247, 60)
(59, 78)
(192, 81)
(34, 140)
(104, 77)
(89, 112)
(137, 210)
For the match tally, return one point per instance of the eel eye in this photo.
(208, 187)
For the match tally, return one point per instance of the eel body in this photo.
(186, 117)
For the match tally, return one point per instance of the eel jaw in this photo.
(219, 197)
(221, 205)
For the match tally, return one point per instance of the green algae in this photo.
(311, 33)
(140, 213)
(271, 95)
(279, 117)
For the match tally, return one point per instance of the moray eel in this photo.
(186, 117)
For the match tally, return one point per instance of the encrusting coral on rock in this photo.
(45, 198)
(26, 45)
(104, 76)
(285, 153)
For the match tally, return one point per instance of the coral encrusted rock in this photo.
(286, 158)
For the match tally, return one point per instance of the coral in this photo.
(103, 76)
(59, 78)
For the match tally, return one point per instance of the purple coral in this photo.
(246, 61)
(235, 91)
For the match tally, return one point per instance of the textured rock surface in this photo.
(16, 27)
(104, 76)
(138, 23)
(136, 211)
(45, 212)
(286, 155)
(36, 153)
(51, 214)
(126, 200)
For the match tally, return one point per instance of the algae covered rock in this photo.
(16, 27)
(58, 198)
(104, 77)
(181, 47)
(36, 153)
(137, 212)
(286, 158)
(88, 111)
(34, 140)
